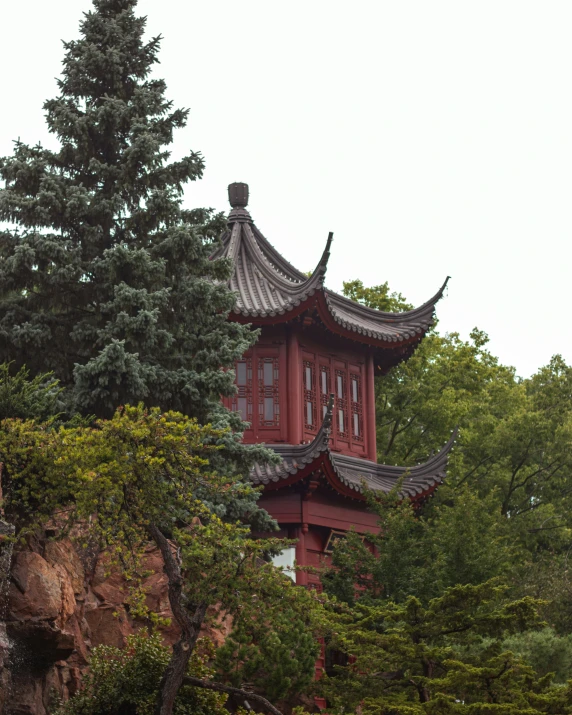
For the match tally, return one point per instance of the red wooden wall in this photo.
(284, 383)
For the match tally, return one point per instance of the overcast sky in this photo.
(433, 139)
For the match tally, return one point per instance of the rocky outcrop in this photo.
(6, 548)
(61, 603)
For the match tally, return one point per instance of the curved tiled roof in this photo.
(262, 287)
(267, 285)
(352, 472)
(389, 327)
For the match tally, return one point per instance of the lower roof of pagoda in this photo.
(270, 290)
(350, 475)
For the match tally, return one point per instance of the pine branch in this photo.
(219, 687)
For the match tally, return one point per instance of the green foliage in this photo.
(125, 681)
(105, 279)
(141, 467)
(509, 474)
(425, 629)
(278, 660)
(378, 297)
(23, 397)
(117, 480)
(407, 659)
(461, 541)
(446, 383)
(545, 650)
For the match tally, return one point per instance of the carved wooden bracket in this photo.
(311, 486)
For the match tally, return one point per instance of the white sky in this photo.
(433, 138)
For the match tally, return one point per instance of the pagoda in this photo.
(306, 389)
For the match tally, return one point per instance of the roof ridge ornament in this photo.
(269, 288)
(238, 195)
(316, 279)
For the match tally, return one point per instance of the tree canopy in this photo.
(146, 476)
(445, 657)
(513, 457)
(105, 278)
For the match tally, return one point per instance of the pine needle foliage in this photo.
(25, 397)
(445, 658)
(105, 278)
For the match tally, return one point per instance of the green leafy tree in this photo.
(125, 681)
(105, 279)
(278, 661)
(424, 623)
(513, 457)
(379, 297)
(462, 541)
(146, 475)
(515, 434)
(545, 650)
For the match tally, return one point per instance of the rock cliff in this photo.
(61, 602)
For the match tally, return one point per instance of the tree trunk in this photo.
(190, 626)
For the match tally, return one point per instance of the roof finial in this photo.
(238, 195)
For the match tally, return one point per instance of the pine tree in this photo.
(446, 658)
(105, 279)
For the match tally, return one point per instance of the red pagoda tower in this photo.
(307, 390)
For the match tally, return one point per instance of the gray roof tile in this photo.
(353, 472)
(267, 285)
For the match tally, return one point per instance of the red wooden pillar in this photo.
(370, 411)
(294, 382)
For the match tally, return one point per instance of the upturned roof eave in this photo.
(299, 461)
(292, 472)
(316, 301)
(423, 311)
(271, 290)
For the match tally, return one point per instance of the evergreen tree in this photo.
(28, 398)
(105, 279)
(446, 658)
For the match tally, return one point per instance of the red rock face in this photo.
(62, 604)
(35, 591)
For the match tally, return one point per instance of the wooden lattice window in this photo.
(341, 403)
(309, 382)
(324, 388)
(356, 407)
(242, 401)
(268, 392)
